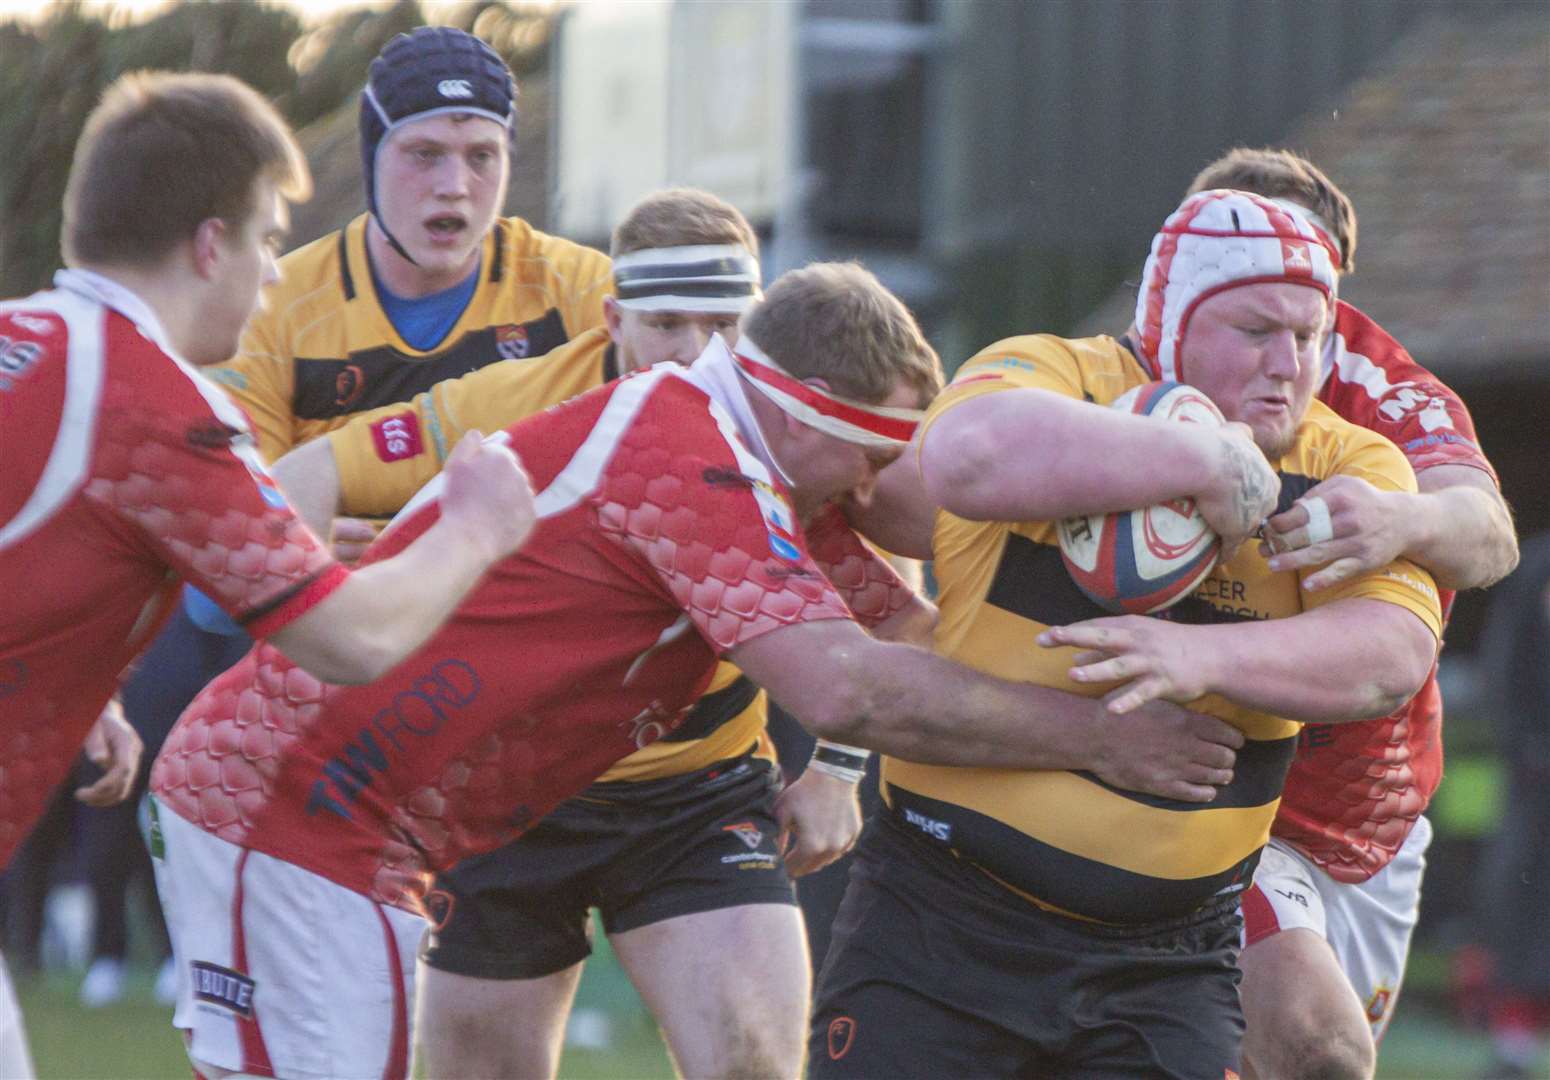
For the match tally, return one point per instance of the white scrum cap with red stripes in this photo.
(1219, 240)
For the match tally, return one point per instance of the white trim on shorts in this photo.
(1368, 925)
(281, 971)
(15, 1058)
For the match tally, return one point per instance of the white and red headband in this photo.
(853, 421)
(1219, 240)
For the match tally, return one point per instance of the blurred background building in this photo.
(1002, 165)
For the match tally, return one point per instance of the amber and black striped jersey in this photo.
(1064, 839)
(387, 454)
(322, 349)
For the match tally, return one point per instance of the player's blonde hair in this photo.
(681, 217)
(163, 152)
(836, 322)
(1280, 174)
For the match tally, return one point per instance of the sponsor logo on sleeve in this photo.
(397, 437)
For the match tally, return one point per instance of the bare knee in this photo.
(762, 1052)
(1308, 1052)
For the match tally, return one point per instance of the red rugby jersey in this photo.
(123, 471)
(1355, 790)
(663, 542)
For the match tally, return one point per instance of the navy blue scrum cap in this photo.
(428, 71)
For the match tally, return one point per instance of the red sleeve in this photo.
(175, 463)
(1377, 384)
(713, 529)
(871, 588)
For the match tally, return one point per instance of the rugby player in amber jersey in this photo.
(679, 845)
(430, 282)
(985, 902)
(692, 505)
(126, 471)
(1321, 976)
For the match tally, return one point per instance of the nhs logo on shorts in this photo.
(939, 830)
(222, 987)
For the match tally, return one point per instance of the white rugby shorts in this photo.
(15, 1061)
(282, 972)
(1368, 925)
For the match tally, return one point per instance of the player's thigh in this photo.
(1369, 926)
(471, 1026)
(730, 987)
(1298, 1004)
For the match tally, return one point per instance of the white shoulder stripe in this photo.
(70, 457)
(1356, 369)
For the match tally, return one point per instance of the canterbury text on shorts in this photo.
(281, 972)
(639, 852)
(934, 970)
(1367, 924)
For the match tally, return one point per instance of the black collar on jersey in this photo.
(347, 278)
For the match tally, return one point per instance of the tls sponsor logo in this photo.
(224, 987)
(745, 832)
(511, 342)
(397, 437)
(941, 830)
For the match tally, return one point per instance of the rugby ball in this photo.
(1136, 562)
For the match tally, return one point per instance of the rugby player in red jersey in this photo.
(1328, 921)
(126, 471)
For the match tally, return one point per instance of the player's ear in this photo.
(613, 317)
(208, 238)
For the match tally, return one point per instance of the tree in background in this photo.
(52, 72)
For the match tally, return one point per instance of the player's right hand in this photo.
(1243, 490)
(488, 494)
(1166, 750)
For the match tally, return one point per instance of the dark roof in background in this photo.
(1445, 150)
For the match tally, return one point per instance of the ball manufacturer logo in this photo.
(454, 88)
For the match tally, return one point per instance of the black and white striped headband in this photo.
(695, 277)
